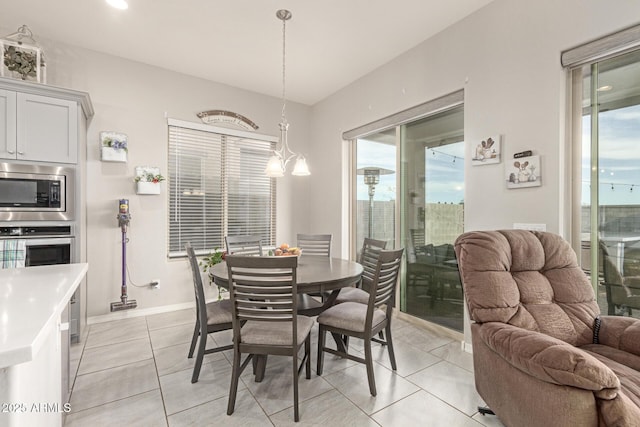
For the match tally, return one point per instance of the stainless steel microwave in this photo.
(36, 192)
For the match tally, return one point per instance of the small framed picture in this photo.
(486, 152)
(113, 147)
(523, 172)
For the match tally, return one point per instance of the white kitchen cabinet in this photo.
(7, 124)
(39, 123)
(47, 129)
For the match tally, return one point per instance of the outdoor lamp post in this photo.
(372, 178)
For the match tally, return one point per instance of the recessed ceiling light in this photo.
(118, 4)
(605, 88)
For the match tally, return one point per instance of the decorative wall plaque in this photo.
(228, 118)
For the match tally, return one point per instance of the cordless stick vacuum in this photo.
(123, 221)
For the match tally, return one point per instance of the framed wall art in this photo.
(523, 172)
(486, 152)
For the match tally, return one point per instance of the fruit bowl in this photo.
(285, 250)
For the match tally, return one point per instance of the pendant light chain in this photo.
(284, 53)
(283, 154)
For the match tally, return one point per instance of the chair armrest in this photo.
(622, 333)
(630, 283)
(549, 359)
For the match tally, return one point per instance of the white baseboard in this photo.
(138, 312)
(466, 346)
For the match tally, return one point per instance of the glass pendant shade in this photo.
(274, 167)
(301, 168)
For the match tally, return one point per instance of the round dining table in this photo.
(314, 274)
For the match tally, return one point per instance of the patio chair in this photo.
(623, 291)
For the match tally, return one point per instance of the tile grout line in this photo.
(155, 364)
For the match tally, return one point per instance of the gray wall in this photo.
(506, 57)
(135, 99)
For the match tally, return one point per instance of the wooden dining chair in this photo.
(247, 245)
(352, 319)
(315, 244)
(210, 317)
(263, 294)
(368, 259)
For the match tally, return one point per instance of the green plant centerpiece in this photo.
(215, 257)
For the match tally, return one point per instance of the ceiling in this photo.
(329, 43)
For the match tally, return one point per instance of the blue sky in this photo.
(619, 168)
(444, 177)
(619, 159)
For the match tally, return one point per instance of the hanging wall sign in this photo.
(227, 118)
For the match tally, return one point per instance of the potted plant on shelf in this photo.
(148, 183)
(215, 257)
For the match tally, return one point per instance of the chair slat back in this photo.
(315, 244)
(369, 259)
(197, 284)
(384, 282)
(263, 289)
(247, 245)
(417, 236)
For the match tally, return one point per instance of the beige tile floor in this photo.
(135, 372)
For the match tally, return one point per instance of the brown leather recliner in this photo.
(542, 354)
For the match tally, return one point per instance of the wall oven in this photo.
(36, 192)
(47, 245)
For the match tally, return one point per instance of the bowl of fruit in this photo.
(285, 250)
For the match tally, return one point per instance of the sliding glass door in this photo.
(432, 212)
(610, 190)
(409, 190)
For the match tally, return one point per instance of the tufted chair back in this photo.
(527, 279)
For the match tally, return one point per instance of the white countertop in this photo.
(31, 301)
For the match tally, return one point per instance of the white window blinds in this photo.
(217, 187)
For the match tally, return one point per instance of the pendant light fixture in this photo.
(282, 155)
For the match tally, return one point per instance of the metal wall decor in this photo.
(228, 118)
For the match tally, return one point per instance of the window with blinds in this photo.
(217, 187)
